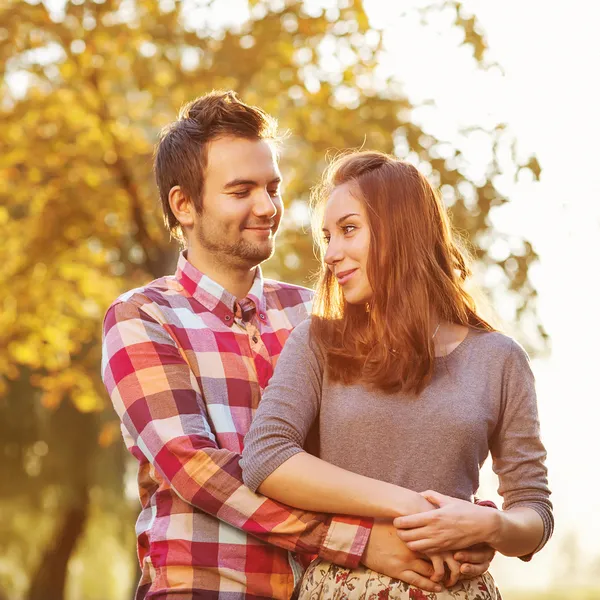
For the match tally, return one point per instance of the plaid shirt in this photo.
(185, 364)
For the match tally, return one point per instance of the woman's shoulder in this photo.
(302, 340)
(496, 344)
(301, 333)
(300, 337)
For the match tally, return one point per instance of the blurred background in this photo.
(496, 102)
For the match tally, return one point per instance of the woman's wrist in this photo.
(494, 527)
(517, 531)
(397, 501)
(415, 503)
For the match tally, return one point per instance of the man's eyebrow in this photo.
(342, 219)
(236, 182)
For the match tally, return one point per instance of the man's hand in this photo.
(387, 554)
(475, 560)
(455, 524)
(446, 568)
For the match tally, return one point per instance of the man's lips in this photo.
(260, 227)
(263, 229)
(344, 276)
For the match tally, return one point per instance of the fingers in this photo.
(412, 535)
(412, 521)
(422, 567)
(476, 560)
(474, 557)
(469, 571)
(483, 554)
(435, 497)
(420, 581)
(428, 546)
(439, 570)
(454, 568)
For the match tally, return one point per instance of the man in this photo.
(185, 360)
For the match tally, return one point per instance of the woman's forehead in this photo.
(342, 200)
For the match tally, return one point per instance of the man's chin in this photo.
(257, 253)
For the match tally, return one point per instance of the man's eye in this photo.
(241, 193)
(274, 193)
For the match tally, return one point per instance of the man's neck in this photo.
(237, 281)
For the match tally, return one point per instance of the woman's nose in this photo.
(334, 253)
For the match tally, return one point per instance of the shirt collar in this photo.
(214, 296)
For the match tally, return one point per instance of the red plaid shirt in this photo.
(185, 365)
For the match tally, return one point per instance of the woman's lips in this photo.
(345, 276)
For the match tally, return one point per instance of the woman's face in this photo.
(346, 231)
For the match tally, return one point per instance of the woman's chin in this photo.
(356, 298)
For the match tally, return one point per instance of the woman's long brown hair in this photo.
(414, 265)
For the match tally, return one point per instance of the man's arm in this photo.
(157, 398)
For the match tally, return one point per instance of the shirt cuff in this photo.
(547, 518)
(346, 541)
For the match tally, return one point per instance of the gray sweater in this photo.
(481, 399)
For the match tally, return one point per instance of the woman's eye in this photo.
(326, 239)
(348, 228)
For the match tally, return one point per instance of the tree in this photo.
(85, 91)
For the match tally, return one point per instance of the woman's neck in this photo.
(448, 337)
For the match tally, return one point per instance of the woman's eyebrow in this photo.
(342, 219)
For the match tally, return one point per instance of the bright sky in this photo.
(549, 97)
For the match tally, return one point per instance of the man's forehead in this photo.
(240, 158)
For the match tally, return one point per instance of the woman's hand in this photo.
(455, 524)
(475, 560)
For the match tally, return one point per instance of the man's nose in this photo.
(265, 206)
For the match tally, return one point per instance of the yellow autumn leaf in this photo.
(109, 433)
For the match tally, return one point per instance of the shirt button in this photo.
(228, 317)
(262, 316)
(255, 339)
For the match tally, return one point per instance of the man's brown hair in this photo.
(181, 154)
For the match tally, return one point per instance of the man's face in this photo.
(241, 205)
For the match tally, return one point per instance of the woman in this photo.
(410, 388)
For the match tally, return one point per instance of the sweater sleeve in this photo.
(287, 410)
(517, 450)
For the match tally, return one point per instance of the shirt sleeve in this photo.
(160, 404)
(518, 454)
(287, 411)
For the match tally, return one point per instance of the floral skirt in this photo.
(326, 581)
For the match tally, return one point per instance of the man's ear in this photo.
(182, 206)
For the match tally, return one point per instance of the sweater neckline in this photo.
(460, 348)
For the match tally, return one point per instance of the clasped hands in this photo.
(453, 524)
(426, 556)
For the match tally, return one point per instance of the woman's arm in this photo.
(273, 459)
(460, 524)
(519, 532)
(307, 482)
(274, 462)
(525, 524)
